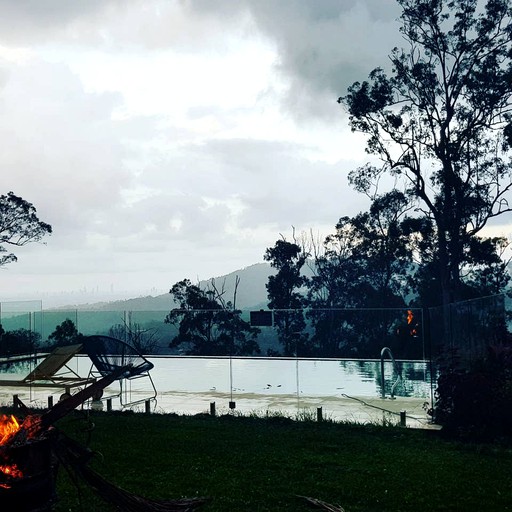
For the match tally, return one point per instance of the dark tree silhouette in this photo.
(19, 341)
(440, 123)
(285, 295)
(365, 263)
(207, 325)
(65, 333)
(145, 339)
(19, 225)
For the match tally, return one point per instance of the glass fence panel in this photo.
(333, 378)
(147, 331)
(333, 333)
(20, 327)
(362, 333)
(99, 322)
(20, 315)
(327, 352)
(18, 320)
(264, 376)
(191, 374)
(466, 329)
(190, 384)
(59, 326)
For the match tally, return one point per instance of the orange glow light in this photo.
(8, 426)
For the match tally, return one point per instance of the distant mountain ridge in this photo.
(251, 293)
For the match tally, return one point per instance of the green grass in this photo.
(262, 464)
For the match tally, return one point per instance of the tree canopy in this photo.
(19, 225)
(18, 341)
(285, 293)
(207, 325)
(66, 333)
(440, 123)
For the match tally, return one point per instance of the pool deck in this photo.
(337, 408)
(356, 409)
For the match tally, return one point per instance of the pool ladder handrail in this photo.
(397, 370)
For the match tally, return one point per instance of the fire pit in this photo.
(29, 451)
(28, 464)
(28, 469)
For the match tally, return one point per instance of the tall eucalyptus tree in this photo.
(440, 123)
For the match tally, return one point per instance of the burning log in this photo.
(29, 453)
(8, 427)
(322, 504)
(36, 426)
(28, 469)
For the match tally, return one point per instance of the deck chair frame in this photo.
(53, 371)
(121, 353)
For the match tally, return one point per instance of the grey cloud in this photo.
(111, 24)
(208, 195)
(323, 46)
(60, 147)
(273, 182)
(149, 224)
(28, 21)
(326, 46)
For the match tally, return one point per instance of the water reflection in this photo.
(287, 376)
(18, 366)
(188, 384)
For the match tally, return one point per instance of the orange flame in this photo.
(12, 471)
(412, 328)
(8, 427)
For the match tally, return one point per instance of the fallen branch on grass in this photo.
(322, 504)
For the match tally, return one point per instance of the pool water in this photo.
(189, 385)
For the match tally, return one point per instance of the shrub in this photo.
(476, 404)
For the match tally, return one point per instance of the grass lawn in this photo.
(254, 464)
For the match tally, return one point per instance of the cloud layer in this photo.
(172, 139)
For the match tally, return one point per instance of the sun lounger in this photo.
(53, 371)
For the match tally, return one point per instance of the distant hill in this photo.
(251, 293)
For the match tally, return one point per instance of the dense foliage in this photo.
(66, 333)
(18, 341)
(476, 403)
(207, 325)
(440, 124)
(286, 295)
(19, 225)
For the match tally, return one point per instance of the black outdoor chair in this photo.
(108, 354)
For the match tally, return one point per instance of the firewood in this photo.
(35, 425)
(60, 409)
(322, 504)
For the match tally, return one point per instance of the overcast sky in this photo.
(172, 139)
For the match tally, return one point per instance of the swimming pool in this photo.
(188, 385)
